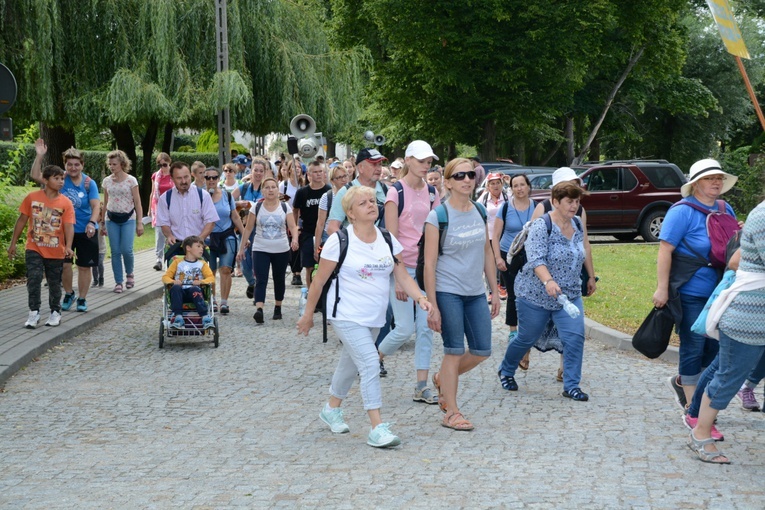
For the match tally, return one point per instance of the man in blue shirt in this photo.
(83, 193)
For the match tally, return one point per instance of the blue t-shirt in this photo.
(248, 192)
(223, 208)
(514, 220)
(686, 227)
(81, 201)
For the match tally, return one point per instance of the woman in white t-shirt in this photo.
(414, 198)
(363, 285)
(338, 177)
(270, 246)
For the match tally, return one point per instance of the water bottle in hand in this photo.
(303, 300)
(568, 306)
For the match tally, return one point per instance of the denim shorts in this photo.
(226, 259)
(465, 316)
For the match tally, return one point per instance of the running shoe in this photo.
(382, 437)
(32, 319)
(82, 305)
(691, 422)
(334, 418)
(177, 323)
(68, 300)
(748, 400)
(54, 319)
(677, 391)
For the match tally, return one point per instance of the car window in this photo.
(629, 181)
(603, 179)
(663, 177)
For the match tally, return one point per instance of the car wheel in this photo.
(626, 236)
(650, 228)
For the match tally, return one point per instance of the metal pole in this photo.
(751, 91)
(224, 121)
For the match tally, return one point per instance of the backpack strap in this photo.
(330, 196)
(389, 241)
(443, 222)
(481, 210)
(548, 223)
(400, 189)
(342, 236)
(87, 184)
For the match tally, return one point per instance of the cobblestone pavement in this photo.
(107, 420)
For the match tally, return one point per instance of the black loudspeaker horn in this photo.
(379, 140)
(302, 126)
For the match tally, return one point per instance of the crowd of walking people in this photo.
(403, 252)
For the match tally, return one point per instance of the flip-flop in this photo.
(437, 384)
(459, 423)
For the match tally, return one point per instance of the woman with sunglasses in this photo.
(454, 277)
(229, 182)
(222, 240)
(161, 181)
(338, 177)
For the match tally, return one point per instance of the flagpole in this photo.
(750, 90)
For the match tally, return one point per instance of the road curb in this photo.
(622, 341)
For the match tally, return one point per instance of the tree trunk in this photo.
(168, 139)
(609, 102)
(58, 139)
(489, 146)
(147, 148)
(568, 134)
(451, 153)
(595, 150)
(520, 150)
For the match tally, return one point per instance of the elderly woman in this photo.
(123, 217)
(492, 198)
(363, 281)
(742, 338)
(453, 273)
(683, 268)
(222, 240)
(338, 177)
(553, 268)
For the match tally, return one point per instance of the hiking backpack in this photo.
(721, 227)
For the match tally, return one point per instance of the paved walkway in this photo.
(108, 420)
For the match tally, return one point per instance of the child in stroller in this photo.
(184, 277)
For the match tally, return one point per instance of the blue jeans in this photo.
(121, 237)
(464, 316)
(696, 351)
(224, 260)
(386, 328)
(757, 374)
(358, 356)
(410, 319)
(727, 373)
(532, 320)
(247, 269)
(706, 377)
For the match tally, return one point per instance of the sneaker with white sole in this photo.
(691, 422)
(748, 400)
(334, 418)
(32, 319)
(382, 437)
(425, 395)
(178, 323)
(678, 392)
(54, 319)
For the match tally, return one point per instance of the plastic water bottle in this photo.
(570, 307)
(304, 300)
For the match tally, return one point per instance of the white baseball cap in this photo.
(564, 174)
(420, 149)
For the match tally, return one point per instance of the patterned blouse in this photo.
(120, 194)
(563, 258)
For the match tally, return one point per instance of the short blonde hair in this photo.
(122, 157)
(353, 193)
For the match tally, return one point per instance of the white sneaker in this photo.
(32, 319)
(334, 418)
(382, 437)
(54, 319)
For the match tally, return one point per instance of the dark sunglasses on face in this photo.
(460, 176)
(163, 165)
(211, 177)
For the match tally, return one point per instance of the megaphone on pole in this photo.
(302, 126)
(379, 140)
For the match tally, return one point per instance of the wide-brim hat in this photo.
(705, 168)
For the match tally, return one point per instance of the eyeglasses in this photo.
(713, 178)
(344, 176)
(211, 177)
(163, 165)
(460, 176)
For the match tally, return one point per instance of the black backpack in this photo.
(443, 223)
(380, 206)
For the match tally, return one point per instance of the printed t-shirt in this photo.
(417, 205)
(271, 229)
(47, 217)
(120, 194)
(307, 200)
(364, 279)
(460, 268)
(81, 200)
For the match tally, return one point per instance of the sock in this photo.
(749, 384)
(328, 409)
(224, 301)
(421, 385)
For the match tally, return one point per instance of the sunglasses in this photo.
(211, 177)
(460, 176)
(164, 165)
(344, 176)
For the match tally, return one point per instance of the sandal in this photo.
(507, 382)
(697, 445)
(576, 394)
(437, 385)
(456, 421)
(559, 375)
(524, 363)
(129, 281)
(118, 288)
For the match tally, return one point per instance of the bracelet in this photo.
(548, 281)
(93, 223)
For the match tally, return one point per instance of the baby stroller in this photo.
(191, 319)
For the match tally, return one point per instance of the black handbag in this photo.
(119, 217)
(652, 337)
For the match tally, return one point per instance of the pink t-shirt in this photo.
(417, 205)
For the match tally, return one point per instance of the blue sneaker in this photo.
(68, 300)
(178, 323)
(334, 418)
(382, 437)
(207, 322)
(82, 305)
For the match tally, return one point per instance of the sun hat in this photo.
(493, 176)
(705, 168)
(420, 149)
(564, 174)
(372, 155)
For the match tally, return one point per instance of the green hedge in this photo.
(95, 161)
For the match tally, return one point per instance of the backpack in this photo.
(721, 227)
(485, 197)
(443, 224)
(169, 196)
(380, 207)
(400, 188)
(518, 248)
(342, 236)
(259, 204)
